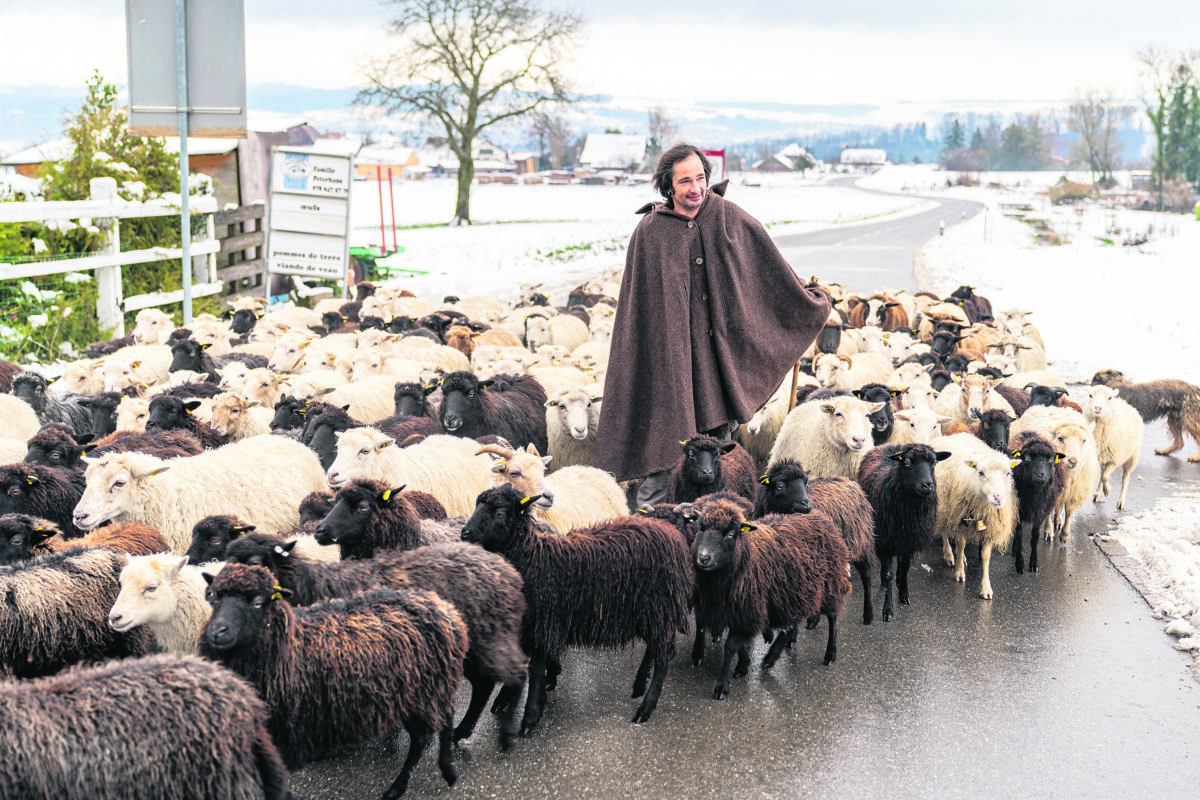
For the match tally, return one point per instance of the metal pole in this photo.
(392, 205)
(185, 220)
(382, 229)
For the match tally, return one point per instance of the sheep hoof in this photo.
(986, 594)
(887, 615)
(720, 692)
(960, 577)
(642, 715)
(741, 671)
(811, 623)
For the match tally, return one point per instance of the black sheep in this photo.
(1039, 479)
(242, 320)
(211, 535)
(412, 400)
(957, 362)
(942, 343)
(369, 517)
(992, 427)
(786, 489)
(107, 347)
(765, 576)
(39, 491)
(34, 389)
(130, 709)
(103, 410)
(191, 355)
(883, 421)
(43, 631)
(980, 305)
(344, 671)
(7, 370)
(1015, 397)
(599, 586)
(54, 445)
(830, 338)
(517, 414)
(898, 480)
(484, 588)
(289, 413)
(322, 424)
(315, 507)
(1045, 395)
(173, 414)
(192, 390)
(162, 444)
(711, 465)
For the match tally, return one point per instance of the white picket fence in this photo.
(106, 210)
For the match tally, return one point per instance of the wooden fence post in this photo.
(108, 279)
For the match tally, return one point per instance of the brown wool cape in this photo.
(711, 319)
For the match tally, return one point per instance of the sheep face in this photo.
(17, 483)
(358, 453)
(702, 459)
(233, 376)
(132, 414)
(1070, 439)
(289, 352)
(410, 399)
(1045, 395)
(720, 531)
(228, 412)
(354, 506)
(786, 487)
(881, 420)
(918, 396)
(827, 368)
(112, 489)
(755, 424)
(993, 479)
(461, 401)
(498, 515)
(537, 331)
(525, 470)
(315, 506)
(850, 423)
(321, 436)
(186, 354)
(152, 326)
(899, 346)
(243, 320)
(259, 550)
(211, 535)
(31, 388)
(289, 413)
(147, 593)
(871, 340)
(993, 429)
(1100, 402)
(578, 412)
(916, 469)
(976, 391)
(922, 424)
(19, 536)
(1036, 463)
(169, 413)
(1105, 377)
(80, 376)
(365, 365)
(241, 597)
(829, 339)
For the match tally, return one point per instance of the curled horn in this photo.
(503, 453)
(848, 360)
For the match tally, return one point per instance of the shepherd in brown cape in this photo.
(711, 319)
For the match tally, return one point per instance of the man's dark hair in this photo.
(664, 170)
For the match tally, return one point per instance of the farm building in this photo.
(862, 158)
(624, 151)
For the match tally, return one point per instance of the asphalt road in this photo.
(1062, 686)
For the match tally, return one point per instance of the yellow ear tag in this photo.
(278, 593)
(30, 480)
(526, 501)
(746, 529)
(1016, 454)
(387, 496)
(764, 480)
(684, 442)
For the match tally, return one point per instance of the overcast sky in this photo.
(872, 51)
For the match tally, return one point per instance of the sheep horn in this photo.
(503, 453)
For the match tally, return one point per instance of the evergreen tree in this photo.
(955, 137)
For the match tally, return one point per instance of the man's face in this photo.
(689, 185)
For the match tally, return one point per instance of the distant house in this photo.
(775, 163)
(861, 158)
(624, 151)
(789, 159)
(491, 160)
(383, 161)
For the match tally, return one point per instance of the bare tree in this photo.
(469, 64)
(664, 132)
(553, 133)
(1164, 75)
(1097, 118)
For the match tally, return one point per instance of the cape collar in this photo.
(661, 205)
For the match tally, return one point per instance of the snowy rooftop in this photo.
(863, 155)
(613, 150)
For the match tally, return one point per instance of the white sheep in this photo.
(370, 399)
(18, 420)
(572, 417)
(871, 340)
(908, 373)
(971, 394)
(850, 372)
(444, 466)
(572, 497)
(12, 450)
(291, 316)
(758, 433)
(369, 363)
(977, 502)
(917, 426)
(1071, 434)
(172, 496)
(555, 379)
(152, 326)
(137, 365)
(1042, 377)
(828, 437)
(83, 376)
(166, 594)
(132, 414)
(1119, 430)
(919, 395)
(236, 418)
(567, 330)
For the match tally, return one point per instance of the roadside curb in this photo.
(1129, 567)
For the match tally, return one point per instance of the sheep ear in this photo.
(1058, 457)
(387, 440)
(970, 462)
(191, 406)
(137, 476)
(828, 408)
(898, 455)
(928, 367)
(893, 392)
(942, 455)
(551, 403)
(765, 480)
(746, 527)
(683, 443)
(1015, 454)
(486, 384)
(206, 345)
(32, 480)
(546, 460)
(527, 502)
(857, 393)
(598, 398)
(280, 593)
(173, 569)
(499, 467)
(1013, 464)
(208, 578)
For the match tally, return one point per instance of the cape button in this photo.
(699, 260)
(691, 224)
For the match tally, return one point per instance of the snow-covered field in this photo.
(1097, 305)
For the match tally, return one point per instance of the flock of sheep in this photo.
(267, 535)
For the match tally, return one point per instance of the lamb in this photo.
(851, 372)
(829, 436)
(173, 414)
(130, 710)
(900, 484)
(172, 496)
(18, 420)
(1118, 429)
(1039, 478)
(236, 418)
(517, 414)
(711, 465)
(211, 536)
(917, 426)
(23, 537)
(167, 595)
(970, 394)
(1177, 400)
(1072, 435)
(33, 389)
(976, 502)
(343, 671)
(443, 466)
(567, 499)
(56, 612)
(599, 586)
(484, 588)
(44, 492)
(767, 575)
(786, 489)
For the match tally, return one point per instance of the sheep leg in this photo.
(419, 740)
(864, 575)
(446, 753)
(481, 689)
(831, 645)
(553, 670)
(1065, 528)
(1048, 526)
(1033, 544)
(1019, 548)
(902, 578)
(1105, 474)
(643, 673)
(506, 698)
(735, 643)
(776, 649)
(698, 646)
(1175, 427)
(662, 663)
(812, 622)
(985, 588)
(960, 559)
(886, 576)
(947, 553)
(1126, 474)
(536, 699)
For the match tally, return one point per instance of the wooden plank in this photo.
(138, 302)
(240, 214)
(34, 269)
(239, 271)
(243, 241)
(98, 209)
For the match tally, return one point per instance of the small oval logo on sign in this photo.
(295, 168)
